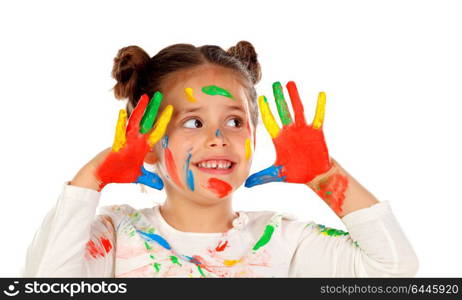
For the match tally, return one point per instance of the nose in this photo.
(216, 139)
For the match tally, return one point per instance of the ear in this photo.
(151, 157)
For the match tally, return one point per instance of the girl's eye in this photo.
(192, 123)
(234, 122)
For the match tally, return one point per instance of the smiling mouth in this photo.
(221, 166)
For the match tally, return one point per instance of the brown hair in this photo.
(137, 74)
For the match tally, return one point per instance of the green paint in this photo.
(132, 233)
(151, 230)
(265, 238)
(331, 231)
(328, 193)
(174, 260)
(200, 270)
(214, 90)
(281, 104)
(151, 256)
(135, 217)
(157, 266)
(356, 244)
(150, 113)
(147, 245)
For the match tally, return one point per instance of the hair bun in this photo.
(128, 63)
(245, 53)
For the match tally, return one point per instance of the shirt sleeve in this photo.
(375, 246)
(71, 242)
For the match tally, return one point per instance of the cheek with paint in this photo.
(171, 167)
(248, 149)
(247, 125)
(219, 187)
(189, 176)
(170, 164)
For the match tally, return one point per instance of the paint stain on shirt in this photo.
(220, 247)
(96, 251)
(265, 238)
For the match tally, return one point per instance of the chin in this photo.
(208, 198)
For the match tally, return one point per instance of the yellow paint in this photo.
(231, 262)
(161, 125)
(320, 109)
(120, 139)
(248, 149)
(268, 119)
(189, 94)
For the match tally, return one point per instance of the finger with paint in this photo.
(301, 151)
(133, 141)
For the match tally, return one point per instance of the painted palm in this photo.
(301, 152)
(133, 141)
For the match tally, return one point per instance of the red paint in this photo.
(137, 114)
(220, 247)
(106, 244)
(95, 251)
(332, 189)
(197, 260)
(171, 167)
(302, 153)
(296, 103)
(220, 187)
(124, 166)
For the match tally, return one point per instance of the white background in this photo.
(391, 70)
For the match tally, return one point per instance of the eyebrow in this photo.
(235, 107)
(195, 109)
(189, 110)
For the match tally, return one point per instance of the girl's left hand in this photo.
(301, 152)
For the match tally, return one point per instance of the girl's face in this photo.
(207, 150)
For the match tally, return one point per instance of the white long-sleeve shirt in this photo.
(125, 242)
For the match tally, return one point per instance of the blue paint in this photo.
(189, 173)
(193, 260)
(155, 238)
(150, 179)
(165, 141)
(217, 133)
(270, 174)
(190, 180)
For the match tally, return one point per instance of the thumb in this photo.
(270, 174)
(150, 179)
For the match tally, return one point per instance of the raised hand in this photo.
(301, 152)
(124, 164)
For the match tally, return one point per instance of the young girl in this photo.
(201, 145)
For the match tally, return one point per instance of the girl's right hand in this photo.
(123, 163)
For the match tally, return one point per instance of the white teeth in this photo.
(215, 164)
